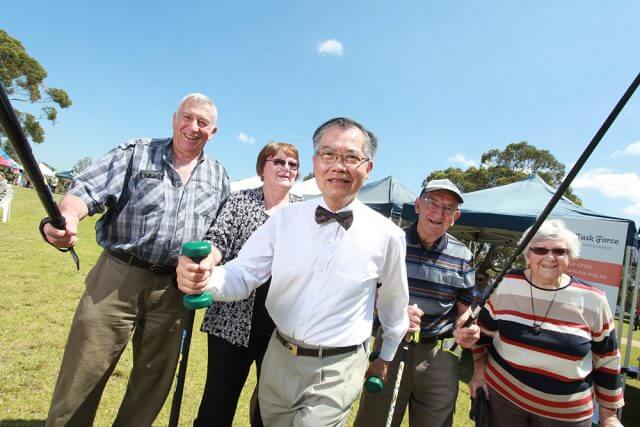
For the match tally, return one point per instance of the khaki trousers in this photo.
(119, 300)
(308, 391)
(429, 386)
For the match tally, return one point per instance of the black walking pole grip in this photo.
(196, 251)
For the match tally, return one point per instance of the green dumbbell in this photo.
(373, 384)
(197, 251)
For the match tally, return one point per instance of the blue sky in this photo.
(439, 82)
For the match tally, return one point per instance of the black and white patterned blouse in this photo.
(241, 215)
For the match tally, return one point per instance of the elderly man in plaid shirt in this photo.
(157, 194)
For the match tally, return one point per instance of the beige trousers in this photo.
(119, 300)
(308, 391)
(429, 386)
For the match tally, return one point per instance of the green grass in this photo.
(40, 289)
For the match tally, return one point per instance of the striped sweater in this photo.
(553, 374)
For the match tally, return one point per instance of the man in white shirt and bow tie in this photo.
(325, 257)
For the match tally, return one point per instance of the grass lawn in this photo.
(40, 289)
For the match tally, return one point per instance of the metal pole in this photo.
(627, 353)
(623, 298)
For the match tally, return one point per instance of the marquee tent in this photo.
(501, 214)
(386, 196)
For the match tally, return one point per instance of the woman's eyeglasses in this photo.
(543, 251)
(281, 163)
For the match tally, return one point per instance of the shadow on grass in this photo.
(21, 423)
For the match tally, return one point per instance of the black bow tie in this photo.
(345, 218)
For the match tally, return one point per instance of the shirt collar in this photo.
(414, 239)
(353, 206)
(167, 152)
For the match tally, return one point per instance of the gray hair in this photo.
(370, 140)
(554, 229)
(199, 99)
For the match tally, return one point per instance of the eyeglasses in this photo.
(432, 204)
(544, 251)
(351, 160)
(281, 163)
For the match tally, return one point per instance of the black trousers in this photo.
(227, 369)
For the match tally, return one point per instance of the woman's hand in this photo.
(478, 379)
(466, 337)
(608, 418)
(193, 278)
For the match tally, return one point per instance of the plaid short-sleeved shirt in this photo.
(156, 212)
(438, 278)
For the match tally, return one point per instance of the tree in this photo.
(81, 165)
(23, 79)
(501, 167)
(514, 163)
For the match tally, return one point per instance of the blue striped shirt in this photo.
(438, 277)
(157, 212)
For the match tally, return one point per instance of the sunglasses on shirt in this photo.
(543, 251)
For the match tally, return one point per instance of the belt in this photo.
(296, 350)
(432, 339)
(137, 262)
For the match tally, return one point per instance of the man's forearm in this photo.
(74, 206)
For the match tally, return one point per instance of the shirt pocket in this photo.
(206, 205)
(148, 196)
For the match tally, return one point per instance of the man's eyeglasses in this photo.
(432, 204)
(543, 251)
(351, 160)
(281, 163)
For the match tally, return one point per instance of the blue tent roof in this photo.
(386, 196)
(501, 214)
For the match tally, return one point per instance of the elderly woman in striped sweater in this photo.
(548, 342)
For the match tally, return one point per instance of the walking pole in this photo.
(476, 306)
(396, 386)
(11, 125)
(478, 407)
(196, 251)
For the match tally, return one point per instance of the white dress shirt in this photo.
(323, 277)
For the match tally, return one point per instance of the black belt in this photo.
(314, 352)
(137, 262)
(432, 339)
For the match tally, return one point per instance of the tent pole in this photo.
(627, 353)
(623, 298)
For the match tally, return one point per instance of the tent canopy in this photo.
(6, 160)
(501, 214)
(386, 196)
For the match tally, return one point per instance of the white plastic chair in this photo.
(5, 204)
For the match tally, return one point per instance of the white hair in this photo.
(200, 98)
(554, 229)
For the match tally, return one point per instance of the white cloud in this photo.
(243, 137)
(330, 47)
(624, 186)
(460, 158)
(630, 150)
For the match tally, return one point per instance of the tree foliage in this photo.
(24, 81)
(501, 167)
(81, 165)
